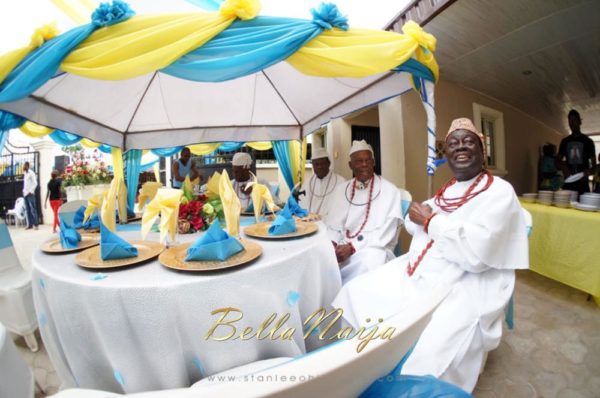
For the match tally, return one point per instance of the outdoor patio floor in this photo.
(553, 351)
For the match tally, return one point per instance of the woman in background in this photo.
(55, 197)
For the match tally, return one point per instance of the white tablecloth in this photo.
(143, 328)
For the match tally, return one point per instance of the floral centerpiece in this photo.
(198, 213)
(85, 169)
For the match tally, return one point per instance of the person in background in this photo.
(365, 216)
(241, 164)
(548, 177)
(184, 166)
(597, 177)
(319, 188)
(55, 196)
(29, 186)
(577, 154)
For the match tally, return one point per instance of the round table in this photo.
(145, 327)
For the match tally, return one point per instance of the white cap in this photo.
(319, 153)
(361, 146)
(242, 159)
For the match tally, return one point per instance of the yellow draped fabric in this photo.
(89, 143)
(166, 202)
(231, 205)
(78, 11)
(298, 160)
(142, 44)
(361, 52)
(260, 194)
(260, 145)
(94, 203)
(35, 130)
(148, 192)
(10, 60)
(117, 162)
(204, 149)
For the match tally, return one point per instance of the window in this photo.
(491, 124)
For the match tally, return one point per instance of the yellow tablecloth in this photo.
(565, 246)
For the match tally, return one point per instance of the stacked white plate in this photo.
(545, 197)
(529, 197)
(562, 199)
(590, 199)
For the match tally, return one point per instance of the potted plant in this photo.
(86, 175)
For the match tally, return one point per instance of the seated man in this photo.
(241, 163)
(365, 216)
(472, 236)
(184, 166)
(319, 188)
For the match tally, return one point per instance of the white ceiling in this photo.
(541, 56)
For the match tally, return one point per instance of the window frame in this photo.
(483, 112)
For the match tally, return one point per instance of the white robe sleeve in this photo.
(488, 233)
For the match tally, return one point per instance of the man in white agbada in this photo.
(241, 163)
(365, 216)
(319, 188)
(470, 236)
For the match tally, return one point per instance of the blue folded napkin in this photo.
(295, 208)
(69, 237)
(113, 247)
(92, 223)
(214, 244)
(284, 222)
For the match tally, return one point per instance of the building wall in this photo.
(523, 134)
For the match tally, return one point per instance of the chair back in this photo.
(7, 251)
(16, 379)
(67, 210)
(318, 373)
(405, 200)
(528, 221)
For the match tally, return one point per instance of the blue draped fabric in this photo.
(416, 69)
(105, 148)
(282, 154)
(41, 64)
(63, 138)
(166, 152)
(133, 162)
(8, 121)
(149, 165)
(230, 146)
(247, 47)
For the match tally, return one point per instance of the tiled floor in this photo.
(553, 351)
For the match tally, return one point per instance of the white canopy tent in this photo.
(158, 110)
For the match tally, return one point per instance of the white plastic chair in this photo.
(405, 201)
(16, 301)
(16, 379)
(18, 213)
(336, 370)
(67, 210)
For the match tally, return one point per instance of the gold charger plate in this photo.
(174, 258)
(146, 250)
(261, 230)
(54, 247)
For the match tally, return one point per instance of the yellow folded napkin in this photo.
(166, 202)
(231, 205)
(94, 203)
(212, 185)
(148, 192)
(107, 213)
(260, 194)
(122, 200)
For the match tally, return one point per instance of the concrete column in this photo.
(339, 141)
(45, 148)
(393, 160)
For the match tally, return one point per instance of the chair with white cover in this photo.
(16, 301)
(16, 379)
(18, 213)
(405, 201)
(319, 373)
(67, 210)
